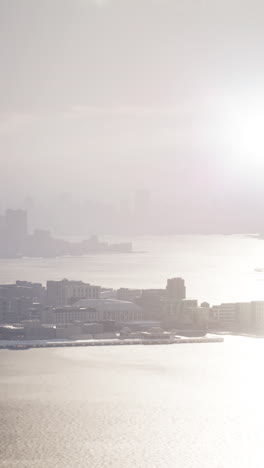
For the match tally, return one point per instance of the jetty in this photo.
(20, 345)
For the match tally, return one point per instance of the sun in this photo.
(245, 132)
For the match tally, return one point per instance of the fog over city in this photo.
(102, 101)
(131, 233)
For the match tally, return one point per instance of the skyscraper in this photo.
(16, 222)
(175, 290)
(15, 232)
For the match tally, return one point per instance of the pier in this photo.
(28, 344)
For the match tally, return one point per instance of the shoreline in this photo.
(29, 344)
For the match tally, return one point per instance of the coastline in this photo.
(22, 345)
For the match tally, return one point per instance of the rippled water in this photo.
(216, 268)
(181, 406)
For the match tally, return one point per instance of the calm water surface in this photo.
(216, 268)
(171, 406)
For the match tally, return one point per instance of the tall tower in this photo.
(16, 231)
(175, 290)
(16, 222)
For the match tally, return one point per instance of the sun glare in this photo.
(245, 134)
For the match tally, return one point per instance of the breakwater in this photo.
(27, 344)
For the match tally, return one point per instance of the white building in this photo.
(65, 315)
(113, 309)
(64, 292)
(245, 315)
(224, 314)
(81, 291)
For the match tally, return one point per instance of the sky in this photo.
(102, 98)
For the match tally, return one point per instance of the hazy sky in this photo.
(100, 98)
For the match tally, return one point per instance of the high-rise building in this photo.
(175, 290)
(16, 222)
(174, 299)
(15, 232)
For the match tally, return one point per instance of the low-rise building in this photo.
(245, 316)
(9, 332)
(258, 315)
(5, 311)
(35, 331)
(200, 317)
(224, 316)
(92, 328)
(112, 309)
(126, 294)
(68, 314)
(69, 331)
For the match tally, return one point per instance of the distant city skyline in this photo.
(106, 98)
(141, 212)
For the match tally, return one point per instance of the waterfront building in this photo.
(11, 332)
(20, 308)
(151, 301)
(23, 289)
(245, 316)
(69, 331)
(175, 290)
(37, 291)
(258, 315)
(65, 292)
(173, 304)
(33, 330)
(112, 309)
(20, 301)
(68, 314)
(200, 317)
(224, 316)
(5, 312)
(126, 294)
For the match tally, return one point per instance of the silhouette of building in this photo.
(68, 314)
(247, 317)
(224, 315)
(21, 301)
(258, 315)
(13, 232)
(151, 301)
(16, 221)
(113, 309)
(65, 292)
(175, 290)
